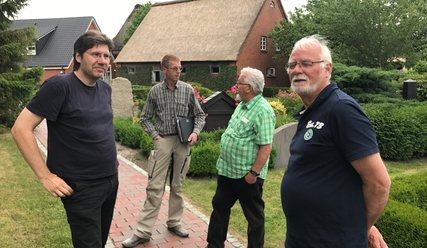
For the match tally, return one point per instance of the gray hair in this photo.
(255, 78)
(311, 40)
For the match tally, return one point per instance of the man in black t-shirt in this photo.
(81, 166)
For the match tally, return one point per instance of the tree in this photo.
(16, 84)
(139, 15)
(287, 33)
(368, 33)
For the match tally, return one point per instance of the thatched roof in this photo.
(194, 30)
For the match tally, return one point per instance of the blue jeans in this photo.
(90, 210)
(228, 191)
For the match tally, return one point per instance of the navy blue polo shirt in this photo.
(321, 192)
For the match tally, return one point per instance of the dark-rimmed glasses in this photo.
(303, 64)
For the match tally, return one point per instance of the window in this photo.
(214, 69)
(263, 43)
(158, 76)
(184, 70)
(278, 49)
(272, 4)
(31, 50)
(271, 72)
(131, 70)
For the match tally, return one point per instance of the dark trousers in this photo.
(228, 191)
(90, 210)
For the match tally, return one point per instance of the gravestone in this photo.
(121, 98)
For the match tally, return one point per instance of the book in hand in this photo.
(184, 127)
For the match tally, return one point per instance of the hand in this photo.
(375, 239)
(157, 137)
(192, 139)
(56, 186)
(250, 178)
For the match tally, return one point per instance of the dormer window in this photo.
(31, 50)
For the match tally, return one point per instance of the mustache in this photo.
(299, 77)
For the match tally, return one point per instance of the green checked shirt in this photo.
(251, 125)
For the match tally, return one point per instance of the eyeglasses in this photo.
(99, 55)
(176, 69)
(303, 64)
(240, 83)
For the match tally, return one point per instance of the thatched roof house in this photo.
(209, 32)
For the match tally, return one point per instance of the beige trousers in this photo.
(158, 166)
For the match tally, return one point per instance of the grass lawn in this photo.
(29, 216)
(199, 193)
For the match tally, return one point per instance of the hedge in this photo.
(400, 131)
(403, 225)
(411, 190)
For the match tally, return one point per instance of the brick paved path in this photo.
(130, 199)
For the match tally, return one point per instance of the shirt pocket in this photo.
(182, 109)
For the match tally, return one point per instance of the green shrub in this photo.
(131, 135)
(273, 91)
(273, 154)
(421, 67)
(356, 80)
(290, 100)
(3, 129)
(140, 92)
(403, 225)
(400, 131)
(146, 144)
(411, 190)
(119, 127)
(203, 160)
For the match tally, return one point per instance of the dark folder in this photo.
(184, 127)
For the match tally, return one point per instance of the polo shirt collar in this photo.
(252, 102)
(324, 94)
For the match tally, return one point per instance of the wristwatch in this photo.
(254, 173)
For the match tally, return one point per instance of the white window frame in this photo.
(263, 43)
(271, 72)
(31, 49)
(131, 70)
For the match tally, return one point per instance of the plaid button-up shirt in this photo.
(166, 105)
(251, 125)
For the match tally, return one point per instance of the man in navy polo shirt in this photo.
(335, 186)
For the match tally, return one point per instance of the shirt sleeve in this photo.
(266, 121)
(48, 100)
(352, 130)
(147, 115)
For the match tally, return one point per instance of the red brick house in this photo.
(212, 33)
(55, 43)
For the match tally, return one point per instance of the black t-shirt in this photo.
(81, 141)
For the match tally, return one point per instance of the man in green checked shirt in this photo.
(242, 163)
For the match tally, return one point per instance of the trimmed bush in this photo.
(411, 190)
(403, 225)
(400, 131)
(203, 160)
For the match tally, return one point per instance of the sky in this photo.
(110, 17)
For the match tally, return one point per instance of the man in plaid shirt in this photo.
(242, 163)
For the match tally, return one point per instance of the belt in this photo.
(172, 134)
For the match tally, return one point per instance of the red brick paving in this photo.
(130, 199)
